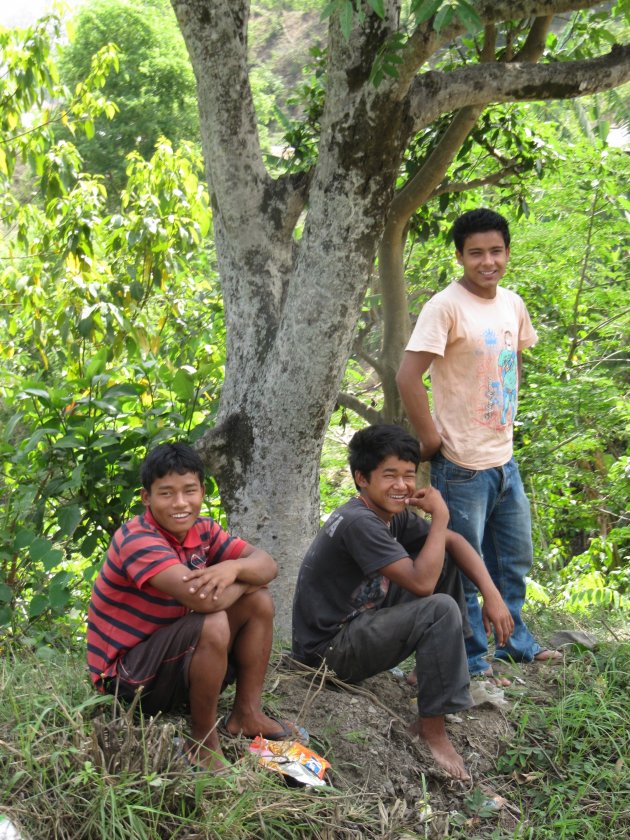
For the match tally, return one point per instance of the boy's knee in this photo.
(261, 603)
(445, 607)
(215, 630)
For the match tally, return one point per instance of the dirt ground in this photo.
(376, 765)
(362, 731)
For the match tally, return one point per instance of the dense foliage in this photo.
(113, 340)
(114, 334)
(153, 86)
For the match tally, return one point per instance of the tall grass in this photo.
(73, 766)
(57, 781)
(567, 766)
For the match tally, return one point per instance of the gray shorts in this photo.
(160, 665)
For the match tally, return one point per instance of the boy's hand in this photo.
(495, 614)
(430, 501)
(212, 581)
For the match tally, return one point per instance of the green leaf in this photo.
(346, 17)
(107, 407)
(36, 392)
(444, 17)
(184, 385)
(6, 614)
(68, 518)
(425, 9)
(89, 544)
(69, 442)
(378, 7)
(52, 559)
(39, 548)
(6, 593)
(97, 363)
(468, 16)
(23, 538)
(125, 389)
(37, 605)
(59, 598)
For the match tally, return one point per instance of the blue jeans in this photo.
(490, 509)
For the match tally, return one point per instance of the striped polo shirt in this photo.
(125, 608)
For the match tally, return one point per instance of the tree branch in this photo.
(534, 45)
(464, 186)
(424, 41)
(354, 404)
(436, 92)
(216, 38)
(368, 358)
(498, 11)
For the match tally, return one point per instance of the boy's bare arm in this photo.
(218, 587)
(420, 575)
(495, 611)
(414, 395)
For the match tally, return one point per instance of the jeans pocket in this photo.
(453, 473)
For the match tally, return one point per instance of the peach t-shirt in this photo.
(474, 377)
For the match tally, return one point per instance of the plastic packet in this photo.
(292, 759)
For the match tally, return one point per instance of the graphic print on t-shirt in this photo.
(497, 375)
(371, 593)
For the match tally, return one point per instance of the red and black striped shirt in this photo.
(125, 608)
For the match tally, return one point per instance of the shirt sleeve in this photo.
(430, 333)
(222, 545)
(371, 545)
(145, 554)
(527, 335)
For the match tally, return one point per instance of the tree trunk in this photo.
(292, 303)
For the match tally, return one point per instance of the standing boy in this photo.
(365, 601)
(471, 336)
(180, 607)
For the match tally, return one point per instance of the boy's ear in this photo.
(359, 479)
(459, 257)
(145, 496)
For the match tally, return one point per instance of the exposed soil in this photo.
(362, 731)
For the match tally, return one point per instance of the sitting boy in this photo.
(180, 607)
(366, 592)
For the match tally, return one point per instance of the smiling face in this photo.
(175, 502)
(484, 260)
(389, 484)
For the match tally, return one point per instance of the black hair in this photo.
(168, 458)
(481, 220)
(369, 447)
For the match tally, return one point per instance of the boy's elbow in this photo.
(271, 568)
(402, 378)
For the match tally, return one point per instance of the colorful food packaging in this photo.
(292, 759)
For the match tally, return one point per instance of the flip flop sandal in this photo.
(290, 731)
(491, 677)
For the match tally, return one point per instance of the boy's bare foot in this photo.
(261, 724)
(548, 655)
(201, 757)
(501, 682)
(433, 733)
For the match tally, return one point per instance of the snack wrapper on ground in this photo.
(291, 759)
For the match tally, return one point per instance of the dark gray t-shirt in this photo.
(339, 578)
